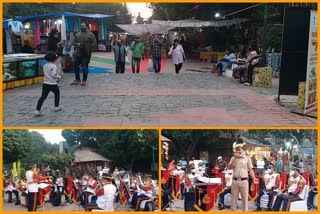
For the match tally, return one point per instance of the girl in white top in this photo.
(177, 53)
(50, 83)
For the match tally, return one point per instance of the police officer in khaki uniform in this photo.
(241, 165)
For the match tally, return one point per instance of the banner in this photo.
(175, 186)
(205, 197)
(68, 188)
(283, 181)
(123, 193)
(312, 65)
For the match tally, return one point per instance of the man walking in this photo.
(155, 48)
(241, 165)
(83, 42)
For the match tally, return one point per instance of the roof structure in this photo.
(86, 154)
(138, 29)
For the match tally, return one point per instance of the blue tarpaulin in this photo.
(66, 14)
(307, 150)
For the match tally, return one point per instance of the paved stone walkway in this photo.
(65, 207)
(147, 99)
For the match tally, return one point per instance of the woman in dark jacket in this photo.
(54, 42)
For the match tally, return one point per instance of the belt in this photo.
(240, 179)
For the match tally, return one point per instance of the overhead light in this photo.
(217, 15)
(175, 33)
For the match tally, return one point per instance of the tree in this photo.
(38, 146)
(16, 145)
(127, 147)
(57, 161)
(139, 19)
(186, 142)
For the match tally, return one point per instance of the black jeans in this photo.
(250, 73)
(46, 88)
(178, 67)
(32, 201)
(84, 62)
(156, 64)
(135, 62)
(120, 67)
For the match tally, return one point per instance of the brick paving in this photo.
(157, 100)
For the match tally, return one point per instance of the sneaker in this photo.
(246, 84)
(17, 203)
(59, 108)
(76, 82)
(83, 83)
(37, 113)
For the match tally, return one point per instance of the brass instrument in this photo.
(314, 189)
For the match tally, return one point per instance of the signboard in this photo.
(312, 68)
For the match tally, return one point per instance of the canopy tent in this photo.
(198, 23)
(65, 14)
(137, 29)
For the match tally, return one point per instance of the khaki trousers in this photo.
(243, 188)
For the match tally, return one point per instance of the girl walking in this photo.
(50, 83)
(177, 55)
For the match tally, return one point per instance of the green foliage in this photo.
(123, 146)
(16, 145)
(280, 137)
(273, 36)
(186, 142)
(57, 161)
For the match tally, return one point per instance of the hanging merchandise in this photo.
(104, 24)
(32, 25)
(70, 24)
(94, 25)
(100, 32)
(16, 26)
(79, 23)
(37, 33)
(63, 30)
(8, 41)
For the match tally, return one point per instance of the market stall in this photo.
(22, 69)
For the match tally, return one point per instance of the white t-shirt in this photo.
(32, 186)
(50, 74)
(260, 164)
(105, 201)
(16, 26)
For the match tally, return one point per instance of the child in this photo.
(50, 83)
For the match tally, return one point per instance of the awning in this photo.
(65, 14)
(199, 23)
(138, 29)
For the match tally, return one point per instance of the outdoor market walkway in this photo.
(192, 98)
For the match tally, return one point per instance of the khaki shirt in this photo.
(242, 167)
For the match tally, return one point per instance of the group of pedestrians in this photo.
(83, 43)
(138, 53)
